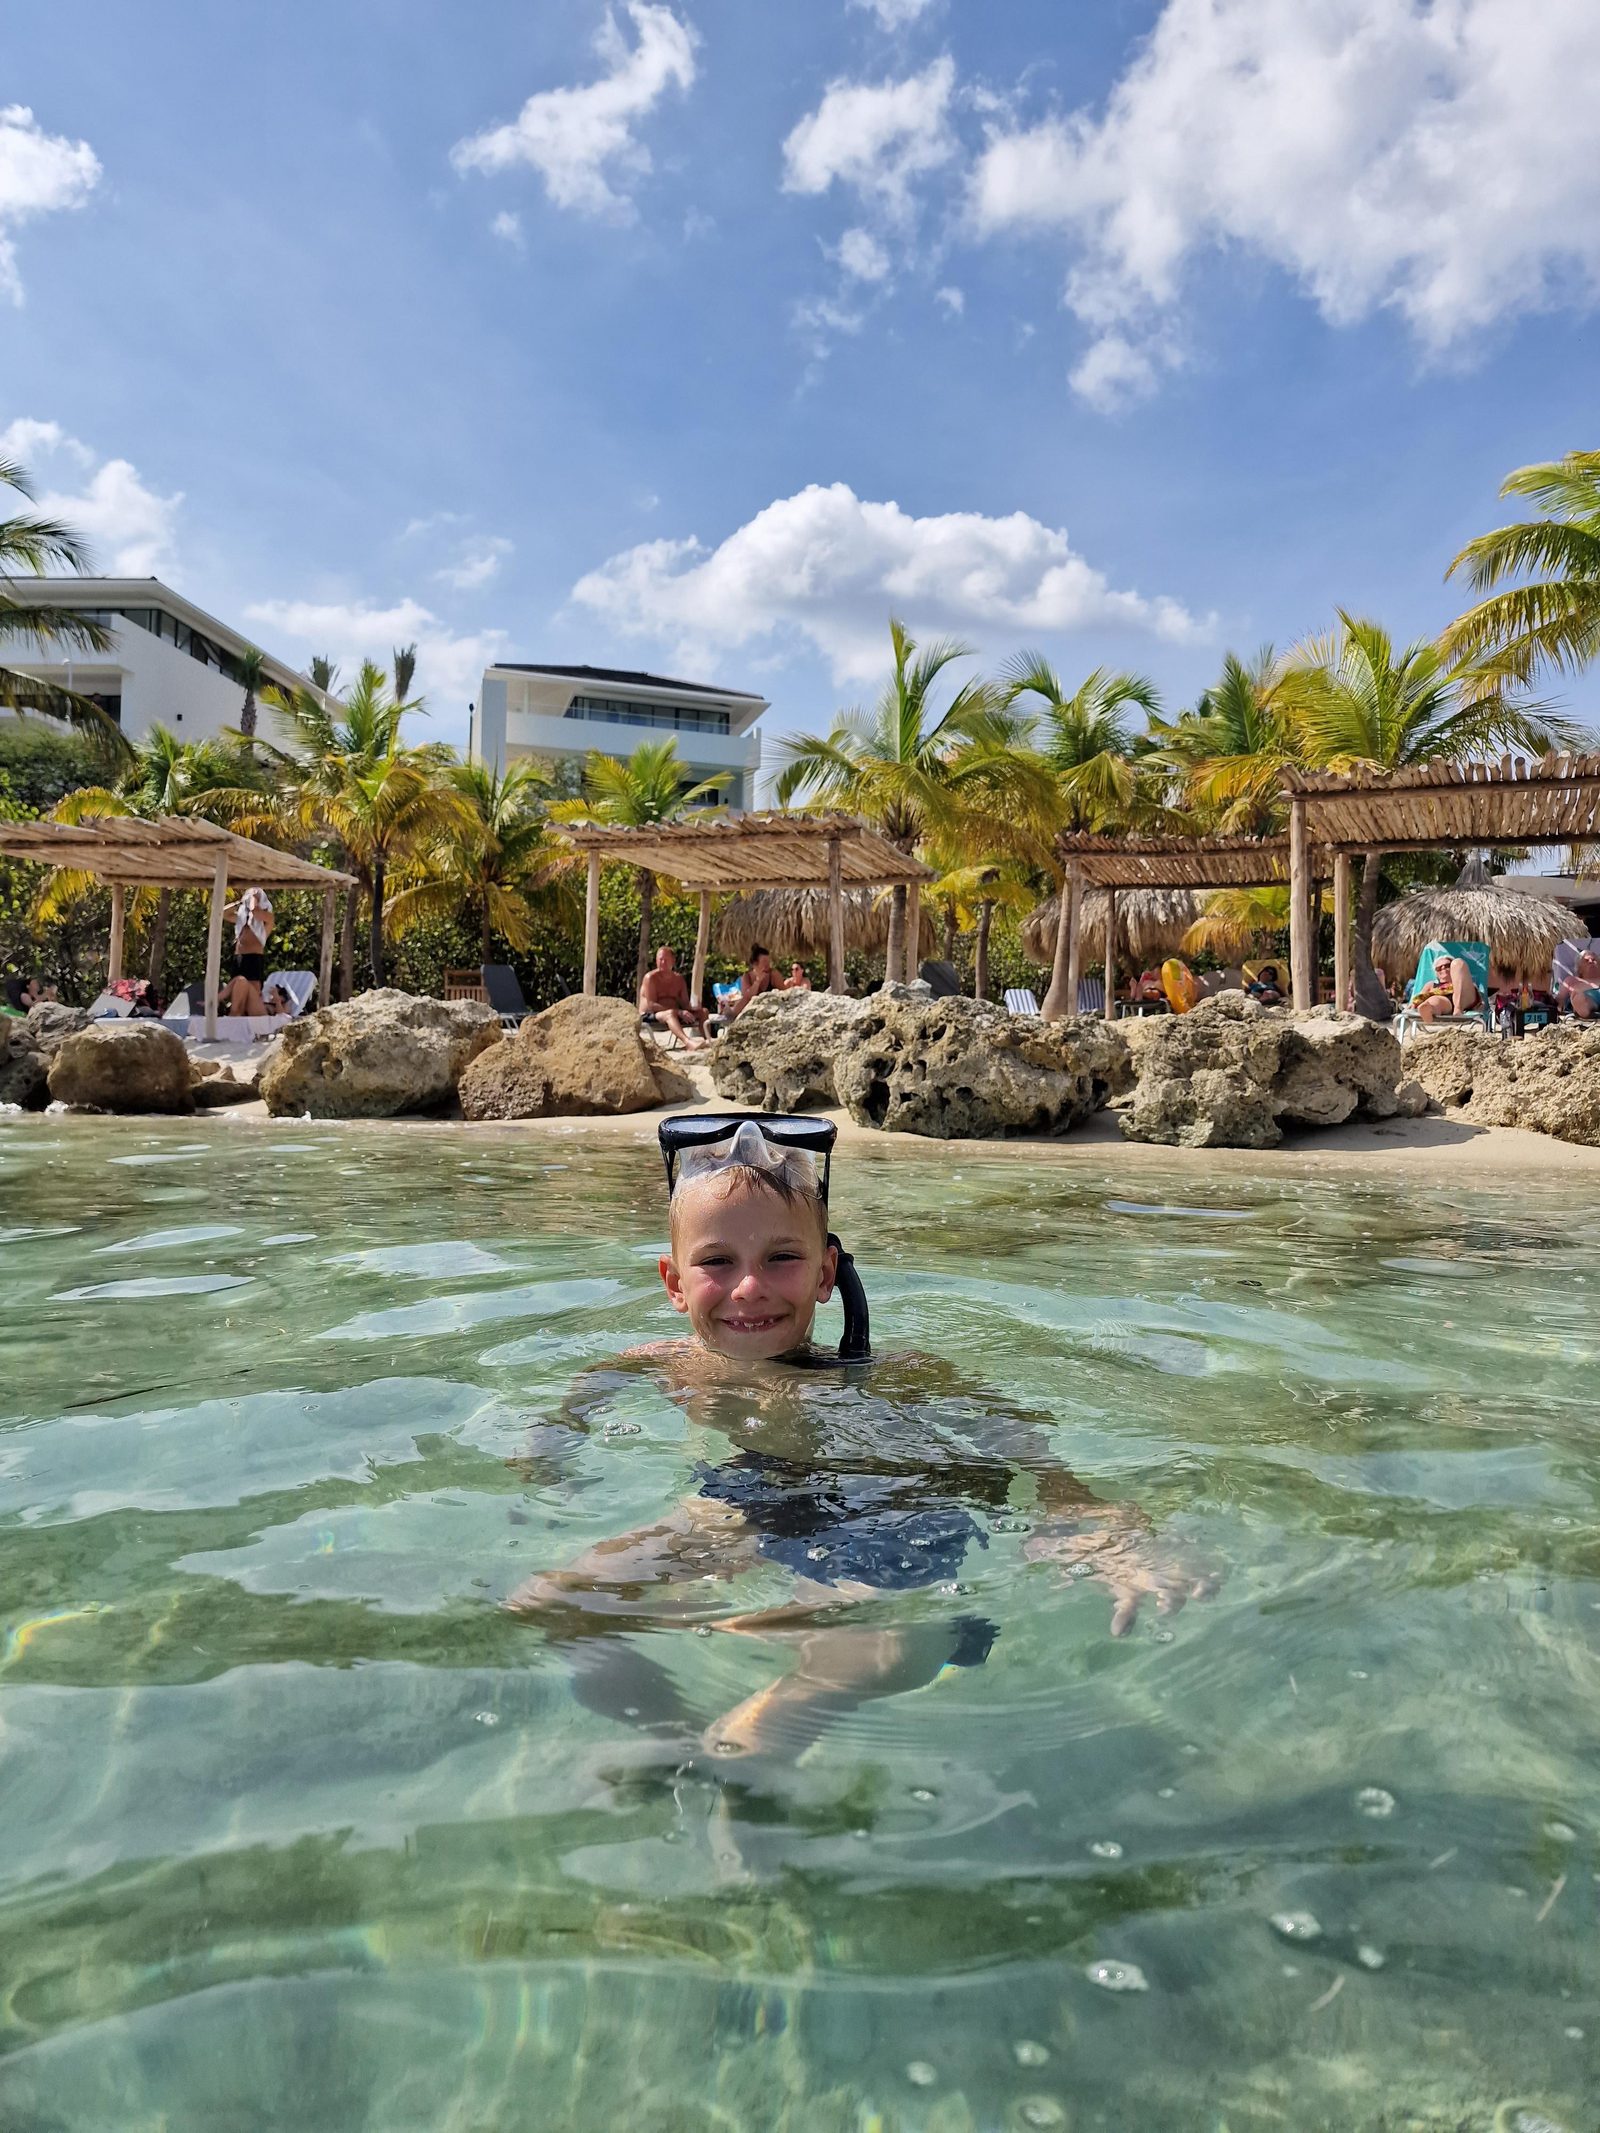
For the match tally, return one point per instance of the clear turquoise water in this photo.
(305, 1829)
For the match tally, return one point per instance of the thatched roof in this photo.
(1451, 806)
(762, 851)
(794, 922)
(171, 852)
(1523, 932)
(1174, 862)
(1149, 921)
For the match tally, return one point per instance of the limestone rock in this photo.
(219, 1090)
(948, 1069)
(581, 1058)
(779, 1054)
(121, 1066)
(1234, 1074)
(29, 1048)
(672, 1085)
(1546, 1082)
(376, 1056)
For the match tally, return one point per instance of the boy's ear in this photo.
(672, 1285)
(829, 1276)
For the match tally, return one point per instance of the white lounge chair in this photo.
(1020, 1001)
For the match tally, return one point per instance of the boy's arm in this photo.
(551, 1443)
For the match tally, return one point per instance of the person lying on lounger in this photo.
(1451, 990)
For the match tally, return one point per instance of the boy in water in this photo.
(859, 1485)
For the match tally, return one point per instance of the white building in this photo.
(555, 712)
(171, 664)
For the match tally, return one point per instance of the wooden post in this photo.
(835, 917)
(118, 908)
(330, 902)
(702, 943)
(219, 896)
(1111, 955)
(911, 949)
(591, 929)
(1341, 930)
(1302, 943)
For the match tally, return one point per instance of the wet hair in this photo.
(736, 1180)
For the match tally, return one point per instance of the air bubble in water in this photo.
(1562, 1832)
(922, 1792)
(1167, 1792)
(1296, 1925)
(921, 2075)
(1373, 1800)
(1359, 1673)
(1041, 2111)
(1162, 1636)
(622, 1429)
(1105, 1848)
(486, 1718)
(1027, 2053)
(1369, 1957)
(1113, 1976)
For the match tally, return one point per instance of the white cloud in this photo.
(828, 568)
(40, 174)
(1112, 373)
(953, 300)
(875, 138)
(581, 140)
(861, 257)
(895, 14)
(449, 666)
(478, 562)
(130, 529)
(1430, 156)
(508, 227)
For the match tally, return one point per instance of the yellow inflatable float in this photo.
(1180, 985)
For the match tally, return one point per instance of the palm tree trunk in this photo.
(950, 929)
(647, 912)
(980, 953)
(158, 939)
(894, 961)
(375, 932)
(1371, 999)
(1056, 1002)
(247, 719)
(347, 947)
(484, 942)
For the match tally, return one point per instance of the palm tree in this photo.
(164, 776)
(345, 771)
(1088, 744)
(972, 894)
(252, 671)
(324, 673)
(1358, 705)
(498, 856)
(1555, 620)
(403, 665)
(638, 792)
(913, 771)
(28, 547)
(1231, 751)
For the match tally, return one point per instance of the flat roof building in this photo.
(171, 664)
(558, 711)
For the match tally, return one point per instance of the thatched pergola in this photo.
(798, 922)
(1148, 921)
(828, 853)
(175, 852)
(1119, 864)
(1436, 807)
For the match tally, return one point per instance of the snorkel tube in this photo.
(707, 1140)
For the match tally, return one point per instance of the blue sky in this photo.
(700, 334)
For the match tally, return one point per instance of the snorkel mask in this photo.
(799, 1151)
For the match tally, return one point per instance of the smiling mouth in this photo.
(751, 1325)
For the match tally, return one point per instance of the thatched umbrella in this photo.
(1149, 922)
(794, 922)
(1523, 932)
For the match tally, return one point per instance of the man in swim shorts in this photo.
(664, 997)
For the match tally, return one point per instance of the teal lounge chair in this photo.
(1475, 954)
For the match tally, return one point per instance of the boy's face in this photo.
(747, 1269)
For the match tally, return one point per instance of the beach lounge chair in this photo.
(505, 994)
(1475, 954)
(1020, 1001)
(109, 1007)
(1091, 996)
(943, 977)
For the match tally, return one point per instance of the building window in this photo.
(676, 718)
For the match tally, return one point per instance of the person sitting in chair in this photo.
(1581, 992)
(664, 1000)
(796, 981)
(1451, 991)
(757, 979)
